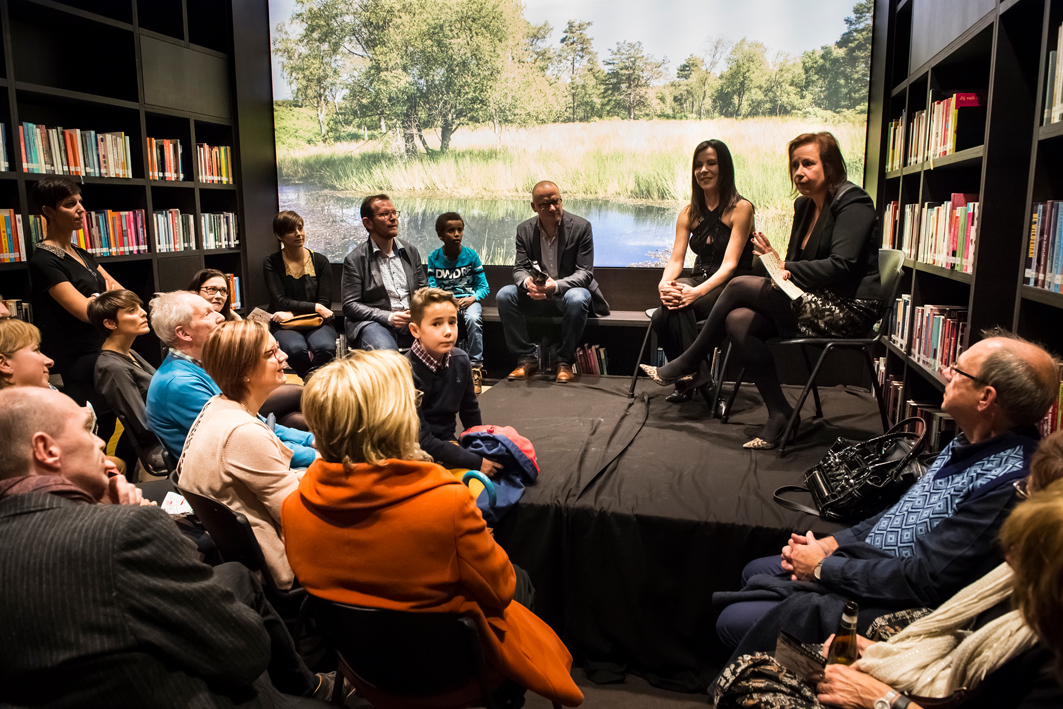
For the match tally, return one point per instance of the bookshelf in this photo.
(934, 49)
(160, 69)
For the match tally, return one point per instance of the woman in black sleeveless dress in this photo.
(716, 225)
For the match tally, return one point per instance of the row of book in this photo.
(592, 359)
(12, 237)
(215, 163)
(106, 233)
(1044, 253)
(1053, 111)
(19, 309)
(937, 333)
(164, 159)
(935, 132)
(174, 231)
(940, 234)
(235, 301)
(219, 231)
(71, 151)
(5, 160)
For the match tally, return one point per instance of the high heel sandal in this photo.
(651, 372)
(760, 444)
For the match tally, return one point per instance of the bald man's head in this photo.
(1025, 376)
(25, 411)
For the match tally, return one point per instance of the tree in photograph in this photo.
(578, 62)
(630, 73)
(782, 85)
(694, 87)
(856, 42)
(739, 89)
(313, 55)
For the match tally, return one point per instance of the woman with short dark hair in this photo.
(832, 254)
(122, 376)
(299, 282)
(715, 225)
(64, 278)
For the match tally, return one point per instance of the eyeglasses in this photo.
(1022, 490)
(389, 215)
(546, 204)
(956, 370)
(273, 352)
(214, 290)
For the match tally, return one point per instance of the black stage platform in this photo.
(645, 508)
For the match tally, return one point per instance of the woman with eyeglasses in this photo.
(230, 455)
(213, 286)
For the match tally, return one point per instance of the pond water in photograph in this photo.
(624, 234)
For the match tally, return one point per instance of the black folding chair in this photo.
(891, 268)
(401, 654)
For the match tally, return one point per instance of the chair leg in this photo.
(877, 389)
(719, 382)
(810, 385)
(815, 389)
(642, 351)
(337, 689)
(733, 396)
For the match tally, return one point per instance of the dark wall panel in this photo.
(182, 78)
(935, 23)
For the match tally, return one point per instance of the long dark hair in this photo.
(204, 275)
(728, 192)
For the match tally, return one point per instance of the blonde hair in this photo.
(14, 336)
(1032, 537)
(233, 353)
(361, 409)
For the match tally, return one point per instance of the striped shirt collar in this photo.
(186, 357)
(429, 361)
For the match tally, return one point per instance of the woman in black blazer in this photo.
(832, 254)
(299, 282)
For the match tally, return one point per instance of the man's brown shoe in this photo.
(526, 370)
(565, 374)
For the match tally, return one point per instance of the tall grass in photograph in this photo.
(644, 162)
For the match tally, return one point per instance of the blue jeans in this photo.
(307, 348)
(375, 336)
(472, 318)
(736, 619)
(514, 305)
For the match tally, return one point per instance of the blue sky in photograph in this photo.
(670, 28)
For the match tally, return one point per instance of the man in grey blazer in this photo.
(107, 604)
(377, 280)
(554, 273)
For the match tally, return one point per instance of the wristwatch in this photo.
(816, 572)
(886, 702)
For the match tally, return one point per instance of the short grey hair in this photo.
(170, 311)
(1024, 393)
(24, 412)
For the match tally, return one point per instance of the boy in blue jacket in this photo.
(458, 270)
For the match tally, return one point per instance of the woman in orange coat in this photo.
(411, 535)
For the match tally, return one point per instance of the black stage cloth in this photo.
(645, 508)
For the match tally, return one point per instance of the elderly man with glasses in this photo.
(378, 278)
(554, 274)
(941, 536)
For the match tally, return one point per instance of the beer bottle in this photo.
(843, 649)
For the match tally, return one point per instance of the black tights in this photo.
(750, 311)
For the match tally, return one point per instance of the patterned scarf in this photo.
(934, 499)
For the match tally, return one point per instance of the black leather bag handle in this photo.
(790, 504)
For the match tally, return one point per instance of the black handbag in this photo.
(858, 479)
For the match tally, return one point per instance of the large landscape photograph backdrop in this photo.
(463, 105)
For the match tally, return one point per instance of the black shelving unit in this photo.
(157, 69)
(936, 48)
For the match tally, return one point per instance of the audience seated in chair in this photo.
(941, 535)
(375, 524)
(443, 374)
(180, 389)
(230, 455)
(994, 645)
(106, 604)
(122, 376)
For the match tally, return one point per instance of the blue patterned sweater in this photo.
(942, 534)
(462, 277)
